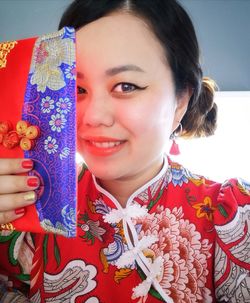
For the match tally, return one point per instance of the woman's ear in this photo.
(182, 103)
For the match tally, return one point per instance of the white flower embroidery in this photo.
(57, 122)
(47, 105)
(71, 72)
(50, 145)
(64, 153)
(63, 105)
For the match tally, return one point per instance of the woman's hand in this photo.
(16, 191)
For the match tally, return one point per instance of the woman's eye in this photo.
(126, 88)
(81, 90)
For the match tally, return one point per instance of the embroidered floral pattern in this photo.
(92, 229)
(49, 55)
(50, 100)
(64, 153)
(178, 175)
(47, 104)
(57, 122)
(63, 106)
(69, 219)
(185, 254)
(71, 72)
(65, 227)
(114, 250)
(205, 209)
(50, 145)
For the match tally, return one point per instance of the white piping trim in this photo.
(138, 191)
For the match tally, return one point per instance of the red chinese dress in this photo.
(181, 238)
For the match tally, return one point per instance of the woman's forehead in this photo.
(119, 33)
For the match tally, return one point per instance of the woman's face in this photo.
(127, 107)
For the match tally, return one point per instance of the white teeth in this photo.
(105, 144)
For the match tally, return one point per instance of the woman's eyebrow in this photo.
(123, 68)
(116, 70)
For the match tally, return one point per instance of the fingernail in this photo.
(20, 211)
(30, 196)
(27, 164)
(32, 182)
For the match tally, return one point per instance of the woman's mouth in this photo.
(103, 146)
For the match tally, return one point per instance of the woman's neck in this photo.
(123, 188)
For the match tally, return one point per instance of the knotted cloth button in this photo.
(23, 135)
(131, 211)
(11, 140)
(32, 132)
(5, 127)
(26, 144)
(21, 127)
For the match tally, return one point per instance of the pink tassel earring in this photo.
(174, 150)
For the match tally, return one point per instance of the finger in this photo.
(15, 184)
(15, 166)
(9, 216)
(16, 201)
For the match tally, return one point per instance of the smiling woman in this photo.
(148, 229)
(129, 100)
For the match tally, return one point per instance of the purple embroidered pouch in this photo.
(50, 104)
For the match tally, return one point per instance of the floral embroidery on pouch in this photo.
(63, 105)
(50, 101)
(50, 145)
(47, 104)
(49, 55)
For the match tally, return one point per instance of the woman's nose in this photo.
(98, 111)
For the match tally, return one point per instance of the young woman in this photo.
(148, 229)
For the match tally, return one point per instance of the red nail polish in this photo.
(32, 182)
(27, 164)
(20, 211)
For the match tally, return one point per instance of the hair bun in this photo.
(208, 88)
(201, 119)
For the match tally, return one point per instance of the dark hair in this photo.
(174, 29)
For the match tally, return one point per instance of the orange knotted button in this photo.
(22, 127)
(32, 132)
(5, 127)
(26, 144)
(11, 140)
(24, 135)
